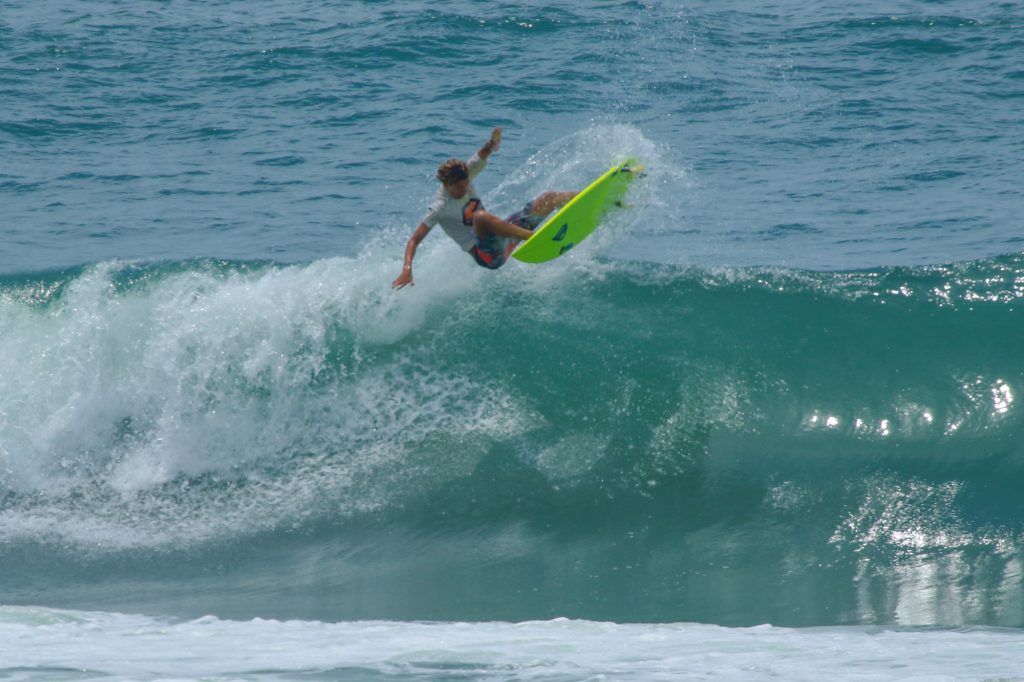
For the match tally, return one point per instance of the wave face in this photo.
(607, 440)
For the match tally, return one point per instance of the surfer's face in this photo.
(457, 189)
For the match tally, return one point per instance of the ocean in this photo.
(766, 423)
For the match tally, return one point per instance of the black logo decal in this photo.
(469, 209)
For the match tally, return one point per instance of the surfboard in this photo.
(574, 222)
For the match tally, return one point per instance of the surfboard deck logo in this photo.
(574, 222)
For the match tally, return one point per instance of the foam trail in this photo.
(568, 649)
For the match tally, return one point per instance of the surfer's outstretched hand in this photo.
(491, 145)
(403, 279)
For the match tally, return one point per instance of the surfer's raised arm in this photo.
(491, 145)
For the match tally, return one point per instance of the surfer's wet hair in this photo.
(452, 170)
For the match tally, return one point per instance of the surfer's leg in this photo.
(550, 201)
(485, 223)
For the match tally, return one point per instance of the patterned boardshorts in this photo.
(493, 251)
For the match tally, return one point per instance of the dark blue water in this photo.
(784, 386)
(836, 137)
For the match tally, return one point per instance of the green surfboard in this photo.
(577, 219)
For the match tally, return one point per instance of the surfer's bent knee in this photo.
(480, 223)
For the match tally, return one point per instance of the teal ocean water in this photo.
(766, 423)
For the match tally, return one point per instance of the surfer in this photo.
(459, 211)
